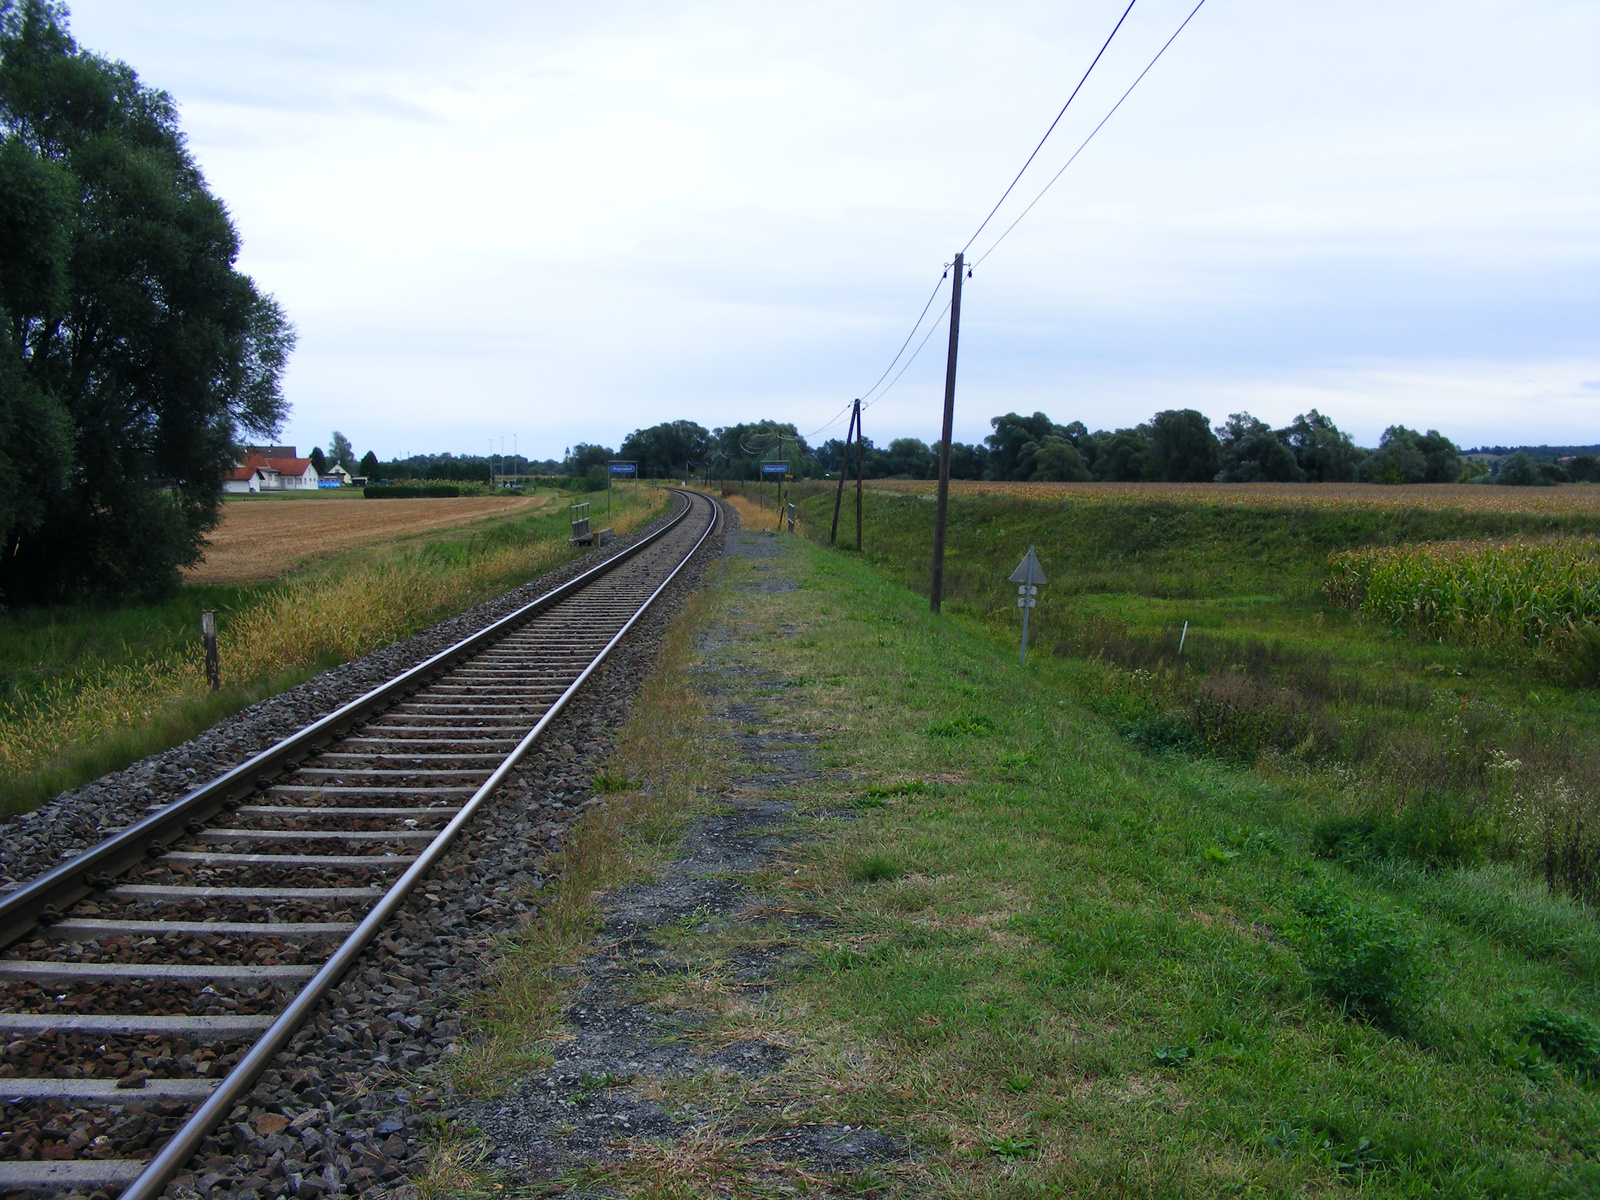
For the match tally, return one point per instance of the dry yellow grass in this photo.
(1473, 496)
(263, 539)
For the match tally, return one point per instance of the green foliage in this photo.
(1430, 832)
(1252, 453)
(667, 448)
(1520, 471)
(1489, 592)
(1174, 1056)
(1569, 1038)
(126, 322)
(1361, 957)
(1182, 447)
(1011, 1148)
(1033, 448)
(340, 451)
(966, 725)
(1406, 456)
(1160, 733)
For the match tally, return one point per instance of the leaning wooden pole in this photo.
(936, 588)
(844, 465)
(859, 470)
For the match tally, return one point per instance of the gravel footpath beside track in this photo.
(339, 1112)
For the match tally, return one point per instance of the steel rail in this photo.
(62, 886)
(182, 1145)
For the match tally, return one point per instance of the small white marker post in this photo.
(1028, 576)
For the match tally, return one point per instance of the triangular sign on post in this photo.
(1029, 570)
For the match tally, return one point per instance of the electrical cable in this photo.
(932, 296)
(931, 330)
(1052, 128)
(1090, 138)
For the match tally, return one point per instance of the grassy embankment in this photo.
(89, 689)
(1063, 966)
(1447, 750)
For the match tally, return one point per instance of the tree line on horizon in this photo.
(1174, 446)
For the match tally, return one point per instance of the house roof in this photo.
(284, 466)
(241, 474)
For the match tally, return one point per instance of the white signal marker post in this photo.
(1028, 576)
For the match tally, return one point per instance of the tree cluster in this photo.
(133, 354)
(1177, 445)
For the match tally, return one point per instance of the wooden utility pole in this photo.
(858, 475)
(936, 590)
(844, 465)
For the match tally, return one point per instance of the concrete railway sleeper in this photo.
(147, 982)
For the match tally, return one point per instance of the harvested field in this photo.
(263, 539)
(1477, 497)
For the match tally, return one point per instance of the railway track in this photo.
(147, 983)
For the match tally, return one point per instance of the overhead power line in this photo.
(1090, 138)
(933, 295)
(1052, 129)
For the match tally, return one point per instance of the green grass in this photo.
(1267, 665)
(1095, 971)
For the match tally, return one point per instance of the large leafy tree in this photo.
(1406, 456)
(135, 355)
(1324, 452)
(1182, 447)
(1252, 453)
(667, 448)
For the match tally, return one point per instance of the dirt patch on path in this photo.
(668, 1071)
(263, 539)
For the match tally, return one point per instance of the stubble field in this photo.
(263, 539)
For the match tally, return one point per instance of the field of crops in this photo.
(1474, 591)
(267, 538)
(1571, 498)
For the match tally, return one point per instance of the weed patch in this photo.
(1568, 1038)
(1361, 957)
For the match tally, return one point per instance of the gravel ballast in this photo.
(340, 1113)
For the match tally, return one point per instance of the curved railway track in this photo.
(209, 931)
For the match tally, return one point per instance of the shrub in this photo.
(1360, 957)
(1566, 1037)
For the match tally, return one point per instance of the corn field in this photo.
(1536, 593)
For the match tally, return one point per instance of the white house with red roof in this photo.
(271, 469)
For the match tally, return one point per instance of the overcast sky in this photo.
(561, 222)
